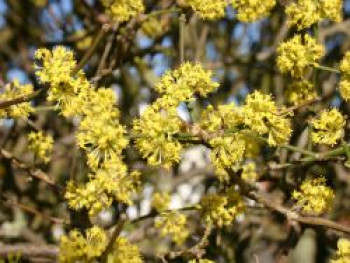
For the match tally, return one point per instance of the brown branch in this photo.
(33, 172)
(31, 210)
(29, 251)
(21, 99)
(116, 232)
(293, 216)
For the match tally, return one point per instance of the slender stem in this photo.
(117, 230)
(162, 12)
(101, 34)
(182, 37)
(325, 68)
(296, 149)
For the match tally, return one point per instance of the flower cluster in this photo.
(152, 27)
(15, 90)
(41, 145)
(208, 9)
(173, 224)
(124, 251)
(227, 150)
(261, 116)
(157, 129)
(314, 196)
(57, 69)
(305, 13)
(123, 10)
(344, 85)
(160, 201)
(104, 186)
(343, 253)
(253, 10)
(300, 91)
(249, 173)
(230, 128)
(298, 54)
(89, 247)
(79, 248)
(328, 128)
(222, 209)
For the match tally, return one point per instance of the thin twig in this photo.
(182, 38)
(33, 172)
(31, 210)
(117, 230)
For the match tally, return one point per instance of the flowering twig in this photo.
(117, 230)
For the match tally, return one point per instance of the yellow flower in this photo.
(314, 196)
(227, 151)
(225, 117)
(305, 13)
(220, 209)
(180, 84)
(329, 127)
(83, 40)
(100, 134)
(298, 54)
(123, 251)
(160, 201)
(343, 253)
(152, 27)
(78, 248)
(155, 133)
(57, 70)
(41, 145)
(208, 9)
(252, 10)
(300, 91)
(123, 10)
(104, 186)
(14, 90)
(57, 66)
(261, 116)
(173, 224)
(344, 86)
(249, 173)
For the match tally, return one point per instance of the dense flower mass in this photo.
(104, 186)
(305, 13)
(88, 248)
(41, 145)
(222, 209)
(344, 85)
(209, 9)
(160, 201)
(300, 91)
(124, 251)
(155, 139)
(261, 116)
(252, 10)
(123, 10)
(79, 248)
(227, 151)
(343, 253)
(173, 224)
(181, 84)
(14, 90)
(57, 70)
(314, 197)
(328, 128)
(298, 54)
